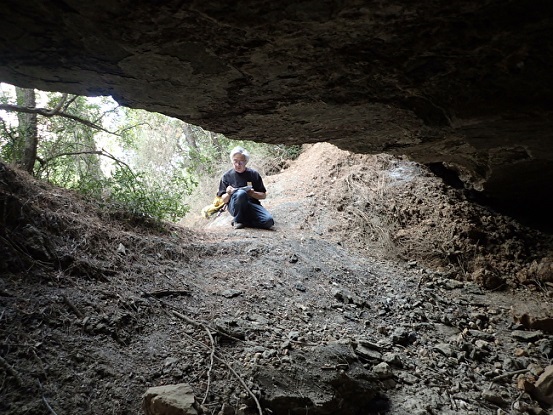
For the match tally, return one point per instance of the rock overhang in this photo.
(465, 84)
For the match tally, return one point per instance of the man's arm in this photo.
(261, 192)
(225, 197)
(223, 187)
(257, 195)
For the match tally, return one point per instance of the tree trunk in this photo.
(25, 155)
(190, 137)
(217, 143)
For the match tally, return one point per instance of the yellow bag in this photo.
(215, 207)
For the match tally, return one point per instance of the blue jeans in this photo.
(248, 213)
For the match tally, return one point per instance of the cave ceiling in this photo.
(466, 85)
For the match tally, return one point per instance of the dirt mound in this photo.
(97, 306)
(393, 208)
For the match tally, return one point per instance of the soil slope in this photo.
(381, 290)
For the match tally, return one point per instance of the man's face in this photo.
(239, 163)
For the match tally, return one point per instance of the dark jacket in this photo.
(249, 177)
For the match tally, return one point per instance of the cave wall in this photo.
(467, 84)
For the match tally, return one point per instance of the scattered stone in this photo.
(369, 344)
(446, 331)
(444, 349)
(392, 359)
(267, 354)
(350, 316)
(226, 410)
(382, 370)
(480, 335)
(232, 327)
(537, 271)
(481, 344)
(231, 293)
(407, 378)
(170, 361)
(535, 318)
(258, 319)
(527, 336)
(299, 286)
(525, 384)
(403, 337)
(319, 390)
(121, 249)
(519, 352)
(488, 279)
(453, 284)
(368, 354)
(347, 297)
(294, 335)
(543, 391)
(169, 400)
(535, 369)
(545, 346)
(255, 349)
(494, 397)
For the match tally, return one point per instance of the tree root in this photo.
(220, 359)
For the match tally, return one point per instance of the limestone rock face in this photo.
(464, 86)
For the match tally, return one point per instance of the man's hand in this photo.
(230, 189)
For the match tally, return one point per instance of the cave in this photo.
(466, 86)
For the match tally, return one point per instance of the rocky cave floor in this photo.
(380, 290)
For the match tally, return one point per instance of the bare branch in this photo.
(101, 152)
(220, 359)
(106, 112)
(58, 107)
(73, 98)
(134, 126)
(70, 153)
(50, 409)
(48, 113)
(111, 156)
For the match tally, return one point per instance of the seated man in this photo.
(242, 189)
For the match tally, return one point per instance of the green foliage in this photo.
(158, 163)
(159, 200)
(136, 194)
(8, 142)
(273, 158)
(66, 146)
(8, 131)
(206, 157)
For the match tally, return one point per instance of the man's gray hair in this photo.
(239, 150)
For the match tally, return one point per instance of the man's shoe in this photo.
(238, 225)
